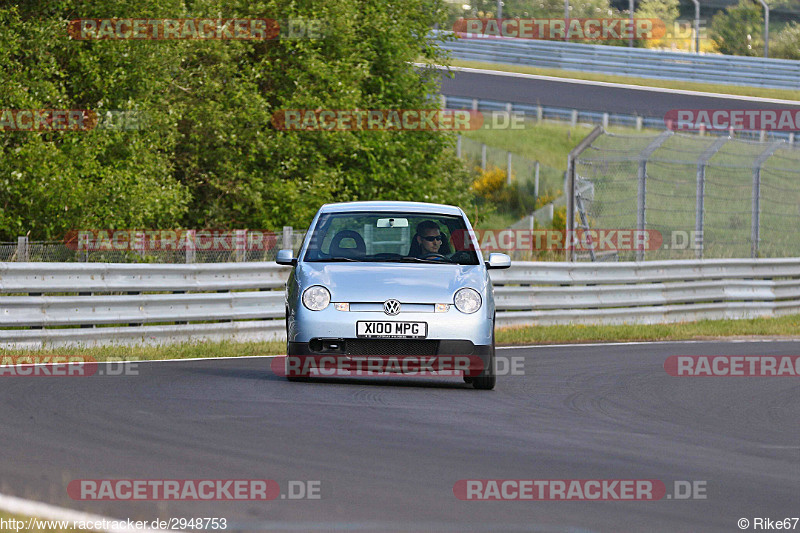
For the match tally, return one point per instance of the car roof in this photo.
(411, 207)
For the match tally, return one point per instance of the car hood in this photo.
(377, 282)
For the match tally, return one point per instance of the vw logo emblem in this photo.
(391, 307)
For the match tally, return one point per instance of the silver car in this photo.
(376, 279)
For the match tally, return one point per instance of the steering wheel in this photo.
(433, 255)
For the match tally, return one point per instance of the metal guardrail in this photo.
(245, 308)
(581, 116)
(639, 62)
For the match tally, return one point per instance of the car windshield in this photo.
(390, 237)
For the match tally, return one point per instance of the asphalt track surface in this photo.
(588, 96)
(388, 451)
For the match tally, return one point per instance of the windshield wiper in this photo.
(336, 260)
(421, 260)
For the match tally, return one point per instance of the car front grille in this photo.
(391, 347)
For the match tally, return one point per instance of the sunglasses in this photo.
(431, 238)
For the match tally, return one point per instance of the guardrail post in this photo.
(755, 227)
(23, 250)
(638, 123)
(699, 215)
(605, 121)
(288, 238)
(474, 104)
(483, 156)
(508, 168)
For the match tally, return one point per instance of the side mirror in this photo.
(498, 261)
(286, 257)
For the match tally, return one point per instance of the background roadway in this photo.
(589, 96)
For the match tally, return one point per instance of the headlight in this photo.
(468, 301)
(316, 298)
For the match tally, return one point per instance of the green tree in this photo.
(664, 10)
(208, 155)
(786, 44)
(730, 29)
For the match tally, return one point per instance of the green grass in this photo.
(545, 142)
(667, 84)
(785, 326)
(172, 351)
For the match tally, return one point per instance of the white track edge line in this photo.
(567, 345)
(45, 511)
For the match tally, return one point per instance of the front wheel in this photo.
(487, 379)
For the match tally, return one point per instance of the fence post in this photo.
(83, 247)
(605, 121)
(573, 121)
(474, 104)
(638, 123)
(755, 227)
(190, 247)
(536, 181)
(641, 203)
(508, 168)
(288, 238)
(569, 188)
(791, 138)
(699, 241)
(539, 113)
(23, 250)
(443, 100)
(458, 145)
(240, 240)
(483, 156)
(641, 196)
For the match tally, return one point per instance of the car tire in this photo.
(487, 379)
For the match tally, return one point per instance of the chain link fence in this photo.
(216, 247)
(705, 197)
(546, 179)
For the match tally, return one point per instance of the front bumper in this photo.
(453, 326)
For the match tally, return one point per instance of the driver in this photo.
(428, 239)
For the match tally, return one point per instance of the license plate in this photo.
(392, 330)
